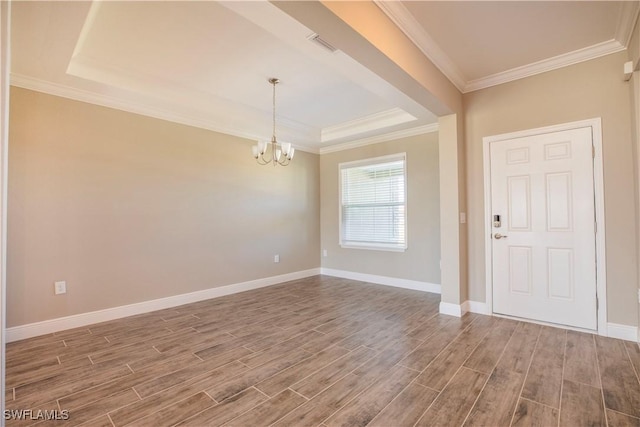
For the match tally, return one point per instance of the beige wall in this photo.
(421, 260)
(127, 208)
(582, 91)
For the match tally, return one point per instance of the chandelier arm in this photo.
(284, 161)
(265, 159)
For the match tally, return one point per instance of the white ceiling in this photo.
(207, 63)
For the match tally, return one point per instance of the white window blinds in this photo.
(373, 208)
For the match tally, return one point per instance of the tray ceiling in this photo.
(206, 64)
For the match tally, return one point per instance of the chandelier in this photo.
(281, 152)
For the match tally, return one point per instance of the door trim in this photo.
(5, 57)
(598, 180)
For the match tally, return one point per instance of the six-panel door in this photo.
(544, 258)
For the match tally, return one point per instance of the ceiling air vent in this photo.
(322, 43)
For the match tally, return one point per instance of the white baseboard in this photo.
(78, 320)
(623, 332)
(614, 330)
(476, 307)
(459, 310)
(383, 280)
(452, 309)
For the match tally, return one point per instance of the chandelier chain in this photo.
(274, 82)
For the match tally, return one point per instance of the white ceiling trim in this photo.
(560, 61)
(86, 28)
(136, 107)
(383, 119)
(626, 21)
(405, 133)
(401, 16)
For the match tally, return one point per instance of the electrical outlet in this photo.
(60, 288)
(276, 258)
(324, 252)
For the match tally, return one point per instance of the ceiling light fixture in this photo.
(281, 152)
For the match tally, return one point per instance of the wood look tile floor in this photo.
(325, 352)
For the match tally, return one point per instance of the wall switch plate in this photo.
(324, 252)
(60, 288)
(276, 258)
(463, 217)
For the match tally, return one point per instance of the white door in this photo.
(544, 253)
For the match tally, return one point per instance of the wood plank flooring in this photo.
(326, 352)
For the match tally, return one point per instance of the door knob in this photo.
(499, 236)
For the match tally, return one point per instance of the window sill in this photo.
(373, 247)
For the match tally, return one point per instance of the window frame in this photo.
(387, 247)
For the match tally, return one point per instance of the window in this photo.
(373, 203)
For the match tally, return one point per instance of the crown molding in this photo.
(383, 119)
(560, 61)
(56, 89)
(401, 16)
(627, 18)
(404, 20)
(419, 130)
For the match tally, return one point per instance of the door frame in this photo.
(5, 57)
(598, 180)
